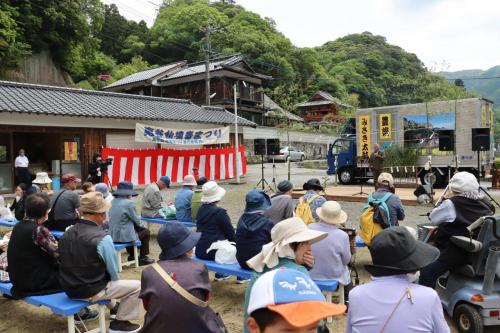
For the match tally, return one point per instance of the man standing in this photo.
(21, 164)
(89, 268)
(65, 204)
(151, 198)
(376, 162)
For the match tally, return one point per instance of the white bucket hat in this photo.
(189, 180)
(464, 182)
(212, 192)
(292, 230)
(331, 212)
(42, 178)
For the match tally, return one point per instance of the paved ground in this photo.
(227, 296)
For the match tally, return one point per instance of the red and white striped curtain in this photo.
(144, 166)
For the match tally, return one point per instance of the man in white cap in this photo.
(183, 199)
(464, 204)
(384, 189)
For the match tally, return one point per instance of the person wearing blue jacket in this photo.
(212, 221)
(254, 228)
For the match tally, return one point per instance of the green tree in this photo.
(12, 47)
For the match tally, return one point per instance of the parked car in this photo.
(288, 152)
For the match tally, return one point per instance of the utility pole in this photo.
(208, 30)
(236, 141)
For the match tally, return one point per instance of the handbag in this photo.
(50, 218)
(406, 293)
(189, 297)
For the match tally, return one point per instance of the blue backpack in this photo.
(374, 217)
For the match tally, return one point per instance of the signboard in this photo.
(211, 136)
(385, 126)
(364, 148)
(70, 151)
(483, 114)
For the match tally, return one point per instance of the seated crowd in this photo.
(271, 238)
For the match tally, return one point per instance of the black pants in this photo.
(376, 173)
(144, 236)
(23, 176)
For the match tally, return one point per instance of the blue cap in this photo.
(103, 188)
(166, 180)
(257, 200)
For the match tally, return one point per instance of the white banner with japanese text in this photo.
(211, 136)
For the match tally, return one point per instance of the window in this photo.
(340, 146)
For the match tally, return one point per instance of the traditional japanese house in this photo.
(320, 105)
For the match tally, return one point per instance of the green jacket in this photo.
(283, 262)
(195, 204)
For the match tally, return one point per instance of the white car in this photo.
(288, 153)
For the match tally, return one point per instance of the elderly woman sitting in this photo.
(124, 224)
(290, 247)
(174, 291)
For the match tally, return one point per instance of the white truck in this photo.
(419, 126)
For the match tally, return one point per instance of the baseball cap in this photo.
(70, 177)
(293, 295)
(165, 180)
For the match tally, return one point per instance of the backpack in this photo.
(374, 217)
(303, 209)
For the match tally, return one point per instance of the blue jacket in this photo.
(253, 232)
(214, 225)
(183, 204)
(122, 219)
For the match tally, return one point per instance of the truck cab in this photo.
(343, 150)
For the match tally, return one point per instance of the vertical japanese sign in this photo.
(364, 139)
(385, 126)
(148, 133)
(70, 151)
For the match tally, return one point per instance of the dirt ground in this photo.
(227, 297)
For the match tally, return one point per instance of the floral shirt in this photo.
(47, 242)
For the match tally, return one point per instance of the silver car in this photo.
(288, 152)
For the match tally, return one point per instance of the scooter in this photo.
(471, 294)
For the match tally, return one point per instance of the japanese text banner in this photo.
(211, 136)
(364, 139)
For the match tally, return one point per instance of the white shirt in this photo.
(444, 213)
(21, 161)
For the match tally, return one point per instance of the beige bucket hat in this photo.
(93, 203)
(189, 180)
(286, 232)
(331, 212)
(42, 178)
(212, 192)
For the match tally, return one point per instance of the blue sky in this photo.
(444, 34)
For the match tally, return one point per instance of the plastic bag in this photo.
(226, 252)
(167, 212)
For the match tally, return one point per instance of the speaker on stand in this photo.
(273, 148)
(259, 147)
(480, 142)
(447, 143)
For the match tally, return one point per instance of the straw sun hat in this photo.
(42, 178)
(331, 213)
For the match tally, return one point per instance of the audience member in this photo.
(287, 300)
(290, 247)
(463, 205)
(196, 199)
(253, 229)
(152, 201)
(333, 253)
(103, 188)
(175, 290)
(89, 268)
(391, 302)
(5, 212)
(18, 206)
(42, 180)
(385, 185)
(282, 205)
(125, 225)
(183, 199)
(88, 187)
(313, 198)
(65, 204)
(34, 254)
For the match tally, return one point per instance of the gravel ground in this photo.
(227, 297)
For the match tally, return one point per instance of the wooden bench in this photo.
(328, 287)
(119, 247)
(159, 220)
(62, 305)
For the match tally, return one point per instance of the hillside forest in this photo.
(87, 38)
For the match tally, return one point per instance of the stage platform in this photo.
(350, 193)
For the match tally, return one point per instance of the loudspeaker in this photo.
(446, 140)
(259, 146)
(481, 139)
(273, 146)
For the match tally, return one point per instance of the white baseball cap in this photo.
(293, 295)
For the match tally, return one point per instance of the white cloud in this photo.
(462, 33)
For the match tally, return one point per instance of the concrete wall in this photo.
(313, 144)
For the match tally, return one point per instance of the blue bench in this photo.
(158, 220)
(326, 286)
(8, 223)
(62, 305)
(359, 242)
(57, 234)
(119, 247)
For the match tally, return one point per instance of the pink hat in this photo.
(189, 180)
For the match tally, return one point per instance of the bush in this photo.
(400, 156)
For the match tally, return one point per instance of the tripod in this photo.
(262, 182)
(274, 179)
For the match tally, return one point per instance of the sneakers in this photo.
(123, 326)
(242, 280)
(113, 311)
(145, 260)
(221, 277)
(85, 315)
